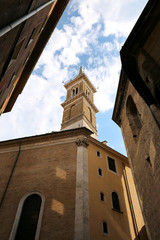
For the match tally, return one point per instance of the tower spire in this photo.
(80, 70)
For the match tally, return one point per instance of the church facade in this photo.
(68, 185)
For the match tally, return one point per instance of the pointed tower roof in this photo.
(81, 73)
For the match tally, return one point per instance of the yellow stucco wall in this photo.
(120, 224)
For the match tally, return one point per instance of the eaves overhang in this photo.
(120, 97)
(135, 42)
(108, 149)
(55, 15)
(47, 137)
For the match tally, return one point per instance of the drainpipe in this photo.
(24, 18)
(11, 174)
(130, 203)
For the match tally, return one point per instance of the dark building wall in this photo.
(17, 65)
(141, 134)
(20, 36)
(137, 110)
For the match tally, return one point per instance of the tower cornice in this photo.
(71, 82)
(81, 94)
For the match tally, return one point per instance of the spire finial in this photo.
(80, 70)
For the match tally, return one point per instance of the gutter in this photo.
(14, 24)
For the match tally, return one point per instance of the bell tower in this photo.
(79, 108)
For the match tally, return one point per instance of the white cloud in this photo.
(105, 79)
(78, 42)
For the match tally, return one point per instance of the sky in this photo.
(89, 34)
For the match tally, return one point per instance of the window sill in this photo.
(116, 210)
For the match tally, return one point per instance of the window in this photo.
(11, 80)
(105, 227)
(16, 52)
(31, 37)
(100, 172)
(115, 201)
(43, 24)
(90, 114)
(102, 196)
(87, 93)
(29, 215)
(98, 154)
(111, 164)
(74, 92)
(27, 58)
(29, 218)
(133, 116)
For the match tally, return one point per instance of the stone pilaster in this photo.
(82, 195)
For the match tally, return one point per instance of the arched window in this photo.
(74, 91)
(133, 116)
(105, 227)
(115, 201)
(28, 218)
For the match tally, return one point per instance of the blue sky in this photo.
(89, 34)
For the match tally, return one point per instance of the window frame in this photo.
(98, 154)
(115, 172)
(105, 233)
(32, 35)
(102, 194)
(18, 215)
(113, 208)
(16, 52)
(101, 172)
(11, 79)
(74, 91)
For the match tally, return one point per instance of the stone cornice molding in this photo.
(85, 78)
(81, 94)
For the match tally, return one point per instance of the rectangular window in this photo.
(98, 154)
(11, 80)
(102, 196)
(16, 52)
(76, 91)
(31, 38)
(100, 172)
(43, 24)
(111, 164)
(105, 227)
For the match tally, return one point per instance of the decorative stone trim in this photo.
(82, 142)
